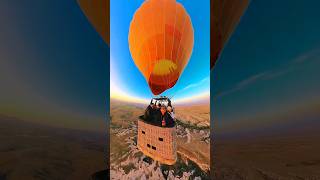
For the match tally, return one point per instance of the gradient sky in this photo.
(53, 65)
(54, 70)
(125, 76)
(270, 65)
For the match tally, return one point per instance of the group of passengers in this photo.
(160, 113)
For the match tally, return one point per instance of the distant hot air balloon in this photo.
(98, 13)
(225, 15)
(161, 42)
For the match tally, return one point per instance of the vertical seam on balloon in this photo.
(148, 66)
(143, 43)
(163, 78)
(149, 49)
(134, 22)
(164, 36)
(157, 59)
(183, 27)
(155, 39)
(153, 29)
(168, 76)
(149, 58)
(137, 16)
(191, 45)
(174, 30)
(164, 29)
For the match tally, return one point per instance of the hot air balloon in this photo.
(225, 15)
(161, 42)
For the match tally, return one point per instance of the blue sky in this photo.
(54, 65)
(195, 79)
(270, 64)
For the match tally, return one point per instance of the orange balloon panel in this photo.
(161, 42)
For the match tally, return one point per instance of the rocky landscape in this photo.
(288, 151)
(127, 162)
(32, 151)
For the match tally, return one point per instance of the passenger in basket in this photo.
(149, 113)
(170, 111)
(163, 115)
(157, 117)
(166, 118)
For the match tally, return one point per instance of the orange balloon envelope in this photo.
(161, 42)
